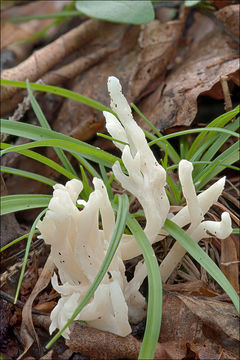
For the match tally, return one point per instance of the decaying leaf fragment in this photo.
(101, 345)
(28, 333)
(196, 74)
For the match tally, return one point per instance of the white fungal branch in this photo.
(79, 245)
(146, 178)
(78, 248)
(194, 209)
(194, 212)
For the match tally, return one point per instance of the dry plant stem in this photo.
(229, 261)
(226, 93)
(59, 76)
(27, 331)
(44, 59)
(69, 71)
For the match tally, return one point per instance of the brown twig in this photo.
(44, 59)
(226, 93)
(75, 68)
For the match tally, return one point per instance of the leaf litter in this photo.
(164, 67)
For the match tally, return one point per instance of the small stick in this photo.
(226, 93)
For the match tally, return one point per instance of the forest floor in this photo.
(182, 71)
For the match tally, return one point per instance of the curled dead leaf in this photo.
(27, 332)
(100, 345)
(176, 104)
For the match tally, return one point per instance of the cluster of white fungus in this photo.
(78, 245)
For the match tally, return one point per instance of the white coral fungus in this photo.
(78, 248)
(146, 177)
(78, 245)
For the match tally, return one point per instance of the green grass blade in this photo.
(92, 171)
(176, 193)
(42, 159)
(229, 157)
(163, 145)
(156, 131)
(196, 163)
(218, 122)
(107, 137)
(202, 148)
(203, 259)
(106, 181)
(16, 241)
(192, 131)
(219, 140)
(236, 231)
(58, 91)
(27, 174)
(13, 203)
(87, 190)
(92, 153)
(154, 312)
(44, 123)
(37, 133)
(183, 143)
(29, 240)
(117, 234)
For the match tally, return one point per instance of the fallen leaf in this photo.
(193, 288)
(178, 322)
(230, 261)
(28, 333)
(196, 74)
(46, 307)
(209, 350)
(157, 43)
(99, 344)
(229, 17)
(30, 276)
(10, 228)
(140, 61)
(220, 321)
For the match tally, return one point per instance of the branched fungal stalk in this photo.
(78, 245)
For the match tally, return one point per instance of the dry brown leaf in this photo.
(28, 333)
(210, 351)
(197, 320)
(97, 344)
(229, 17)
(157, 43)
(81, 121)
(140, 61)
(178, 322)
(10, 228)
(216, 314)
(193, 288)
(198, 72)
(46, 306)
(230, 261)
